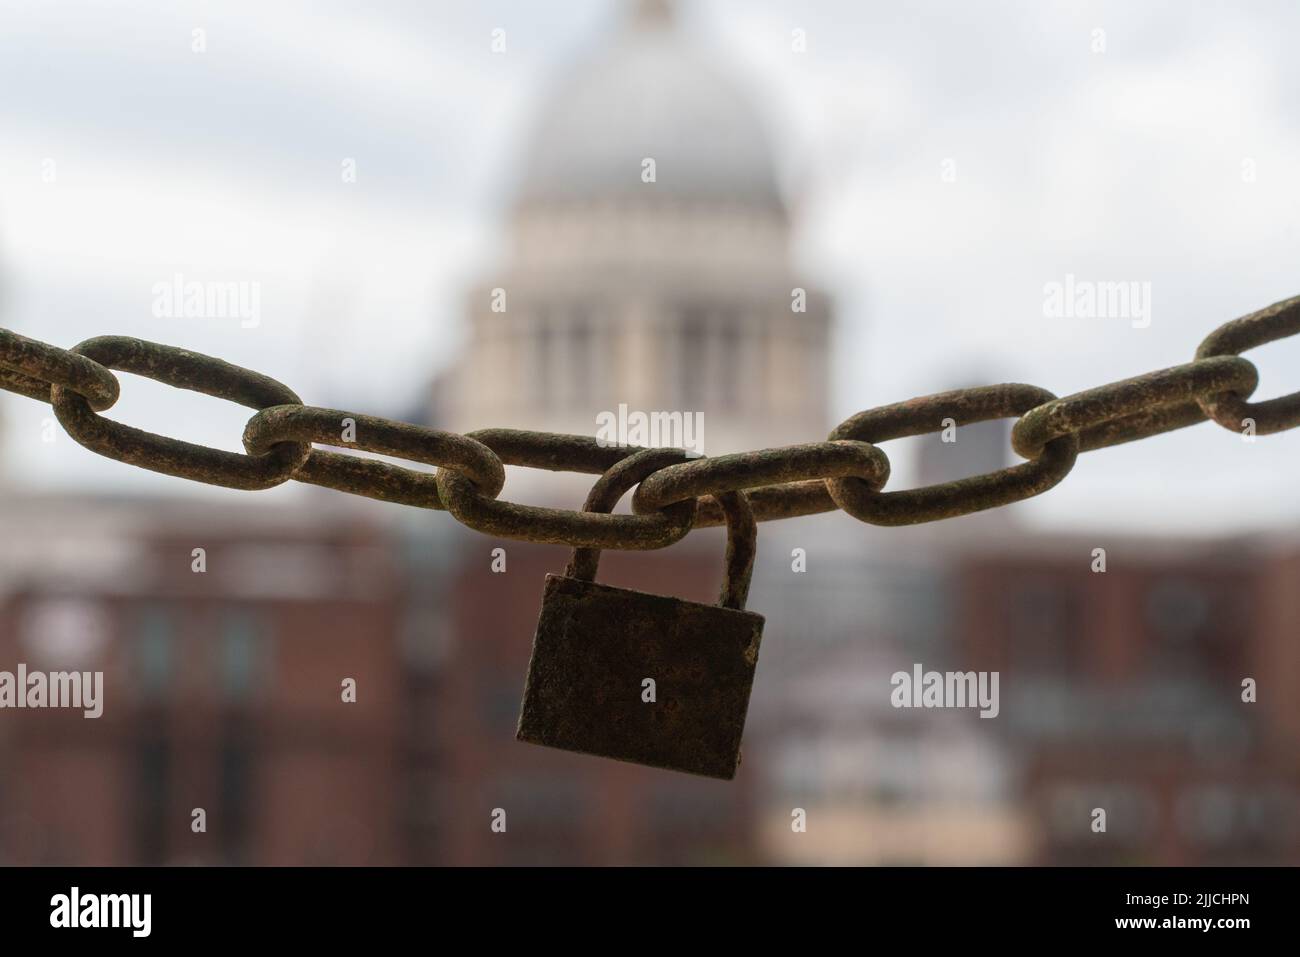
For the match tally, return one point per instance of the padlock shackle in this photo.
(742, 529)
(742, 546)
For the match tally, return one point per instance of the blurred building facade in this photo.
(1125, 690)
(650, 262)
(226, 688)
(226, 735)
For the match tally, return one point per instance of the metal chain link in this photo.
(673, 493)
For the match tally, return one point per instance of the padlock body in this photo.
(594, 649)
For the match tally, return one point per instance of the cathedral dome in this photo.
(648, 94)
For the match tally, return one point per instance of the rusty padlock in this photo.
(597, 646)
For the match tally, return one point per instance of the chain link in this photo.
(368, 477)
(1132, 409)
(674, 493)
(961, 497)
(1231, 411)
(779, 478)
(32, 368)
(158, 453)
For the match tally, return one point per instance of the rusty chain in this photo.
(673, 493)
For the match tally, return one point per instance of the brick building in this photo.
(222, 689)
(1123, 690)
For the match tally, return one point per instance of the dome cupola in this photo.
(649, 94)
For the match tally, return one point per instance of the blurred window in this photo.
(1209, 814)
(152, 797)
(154, 651)
(691, 362)
(1177, 609)
(1045, 626)
(729, 388)
(66, 632)
(500, 704)
(242, 655)
(542, 363)
(582, 358)
(236, 789)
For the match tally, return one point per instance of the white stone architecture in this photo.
(650, 263)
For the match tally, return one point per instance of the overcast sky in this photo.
(1172, 157)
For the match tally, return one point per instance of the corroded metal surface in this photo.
(596, 646)
(558, 452)
(611, 487)
(780, 474)
(30, 368)
(561, 526)
(1134, 408)
(368, 477)
(846, 472)
(645, 678)
(963, 496)
(184, 370)
(1278, 321)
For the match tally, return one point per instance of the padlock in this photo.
(645, 678)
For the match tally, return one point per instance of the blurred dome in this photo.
(649, 94)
